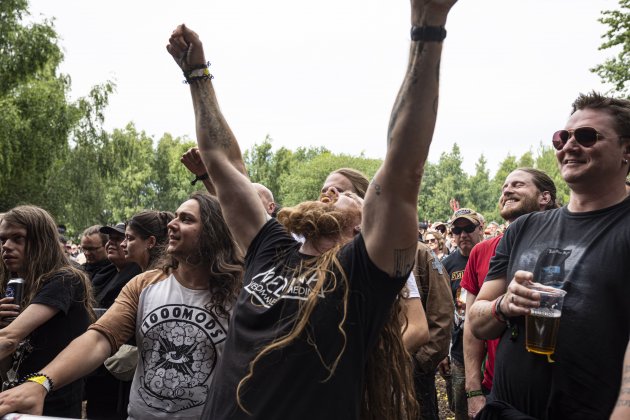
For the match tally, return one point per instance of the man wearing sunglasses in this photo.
(467, 230)
(581, 248)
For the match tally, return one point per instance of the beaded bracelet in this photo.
(198, 72)
(40, 378)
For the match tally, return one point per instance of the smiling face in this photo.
(592, 167)
(432, 241)
(184, 231)
(13, 239)
(520, 196)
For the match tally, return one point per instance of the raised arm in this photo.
(390, 215)
(219, 150)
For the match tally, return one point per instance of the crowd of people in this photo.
(344, 307)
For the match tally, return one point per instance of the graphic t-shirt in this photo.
(455, 264)
(295, 381)
(474, 275)
(179, 342)
(585, 254)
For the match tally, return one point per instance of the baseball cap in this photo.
(468, 214)
(118, 228)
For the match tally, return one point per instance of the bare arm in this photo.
(389, 217)
(192, 161)
(82, 356)
(622, 408)
(517, 302)
(28, 321)
(219, 150)
(474, 353)
(416, 332)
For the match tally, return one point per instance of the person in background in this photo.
(55, 308)
(146, 237)
(93, 245)
(525, 190)
(580, 248)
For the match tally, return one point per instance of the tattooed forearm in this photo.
(404, 260)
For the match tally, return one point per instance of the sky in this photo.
(326, 73)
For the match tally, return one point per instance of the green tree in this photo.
(305, 180)
(448, 181)
(171, 179)
(483, 194)
(616, 70)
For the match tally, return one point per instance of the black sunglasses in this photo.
(468, 229)
(585, 136)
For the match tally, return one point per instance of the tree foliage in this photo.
(616, 70)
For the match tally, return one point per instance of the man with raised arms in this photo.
(292, 348)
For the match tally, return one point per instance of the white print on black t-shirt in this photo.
(550, 269)
(178, 354)
(267, 287)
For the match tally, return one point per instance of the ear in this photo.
(151, 242)
(543, 199)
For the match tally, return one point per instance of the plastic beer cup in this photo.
(542, 324)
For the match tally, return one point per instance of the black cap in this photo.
(119, 228)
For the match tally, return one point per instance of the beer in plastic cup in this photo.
(542, 324)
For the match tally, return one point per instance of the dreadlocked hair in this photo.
(388, 390)
(322, 268)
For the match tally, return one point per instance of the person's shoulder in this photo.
(147, 278)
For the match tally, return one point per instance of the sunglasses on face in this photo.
(468, 229)
(431, 241)
(585, 136)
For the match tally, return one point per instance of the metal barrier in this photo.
(17, 416)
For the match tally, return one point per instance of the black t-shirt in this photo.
(292, 382)
(587, 255)
(455, 264)
(106, 294)
(65, 293)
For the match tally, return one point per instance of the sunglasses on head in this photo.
(468, 229)
(585, 136)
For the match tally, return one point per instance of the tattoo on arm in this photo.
(404, 260)
(624, 393)
(377, 187)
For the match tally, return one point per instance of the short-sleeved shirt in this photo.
(179, 343)
(294, 382)
(455, 264)
(66, 293)
(585, 254)
(474, 275)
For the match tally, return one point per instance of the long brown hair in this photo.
(388, 391)
(217, 248)
(43, 255)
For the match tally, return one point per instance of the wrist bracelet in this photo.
(428, 33)
(40, 378)
(475, 393)
(496, 309)
(198, 72)
(199, 178)
(499, 311)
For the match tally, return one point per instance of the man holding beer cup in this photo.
(565, 251)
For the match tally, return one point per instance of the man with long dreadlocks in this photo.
(302, 339)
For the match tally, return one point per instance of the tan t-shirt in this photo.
(179, 343)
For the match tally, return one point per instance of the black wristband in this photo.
(428, 33)
(475, 393)
(199, 178)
